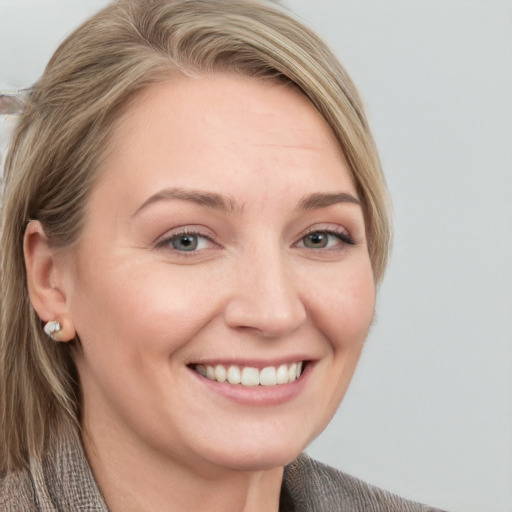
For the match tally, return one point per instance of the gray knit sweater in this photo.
(64, 483)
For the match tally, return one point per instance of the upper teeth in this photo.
(249, 376)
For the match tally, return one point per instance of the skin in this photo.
(158, 436)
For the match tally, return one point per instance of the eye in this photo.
(186, 241)
(325, 239)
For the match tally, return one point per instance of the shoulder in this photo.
(61, 481)
(310, 486)
(17, 493)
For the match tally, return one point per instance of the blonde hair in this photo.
(57, 148)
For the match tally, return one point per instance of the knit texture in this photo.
(64, 483)
(310, 486)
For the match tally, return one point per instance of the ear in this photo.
(44, 281)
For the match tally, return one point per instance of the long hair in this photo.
(58, 145)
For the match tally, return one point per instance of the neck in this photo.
(132, 480)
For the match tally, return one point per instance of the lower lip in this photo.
(257, 395)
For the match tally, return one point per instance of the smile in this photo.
(250, 376)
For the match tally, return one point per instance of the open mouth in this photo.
(250, 376)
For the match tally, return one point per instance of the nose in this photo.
(264, 297)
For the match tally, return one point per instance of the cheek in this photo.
(150, 309)
(133, 325)
(348, 309)
(346, 317)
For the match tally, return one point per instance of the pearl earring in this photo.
(52, 328)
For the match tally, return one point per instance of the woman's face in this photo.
(224, 236)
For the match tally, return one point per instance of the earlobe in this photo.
(45, 287)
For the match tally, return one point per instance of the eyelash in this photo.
(166, 242)
(341, 234)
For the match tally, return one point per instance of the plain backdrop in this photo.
(429, 412)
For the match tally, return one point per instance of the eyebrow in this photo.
(202, 198)
(323, 200)
(228, 204)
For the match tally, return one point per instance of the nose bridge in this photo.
(265, 294)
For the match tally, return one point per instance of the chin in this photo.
(260, 454)
(260, 461)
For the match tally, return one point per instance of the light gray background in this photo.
(429, 413)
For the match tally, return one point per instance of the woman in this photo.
(194, 226)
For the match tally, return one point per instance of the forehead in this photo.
(218, 130)
(220, 101)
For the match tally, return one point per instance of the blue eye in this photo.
(325, 239)
(186, 242)
(316, 240)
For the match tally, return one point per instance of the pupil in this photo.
(316, 240)
(185, 242)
